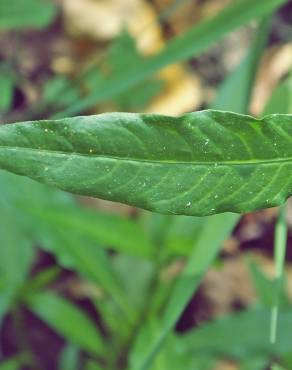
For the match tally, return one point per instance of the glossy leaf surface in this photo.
(199, 164)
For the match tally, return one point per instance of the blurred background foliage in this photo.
(88, 284)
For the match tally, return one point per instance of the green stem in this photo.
(280, 244)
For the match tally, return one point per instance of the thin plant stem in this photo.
(280, 244)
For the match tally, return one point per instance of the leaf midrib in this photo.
(268, 161)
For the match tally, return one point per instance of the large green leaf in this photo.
(199, 164)
(213, 230)
(18, 14)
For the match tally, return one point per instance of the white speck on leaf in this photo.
(189, 204)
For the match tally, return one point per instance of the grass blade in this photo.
(190, 44)
(184, 288)
(242, 78)
(68, 320)
(19, 14)
(213, 234)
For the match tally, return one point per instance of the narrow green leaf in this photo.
(42, 207)
(75, 235)
(202, 257)
(183, 233)
(90, 261)
(69, 321)
(281, 102)
(136, 288)
(18, 14)
(281, 99)
(122, 53)
(190, 44)
(237, 80)
(173, 356)
(60, 92)
(198, 164)
(200, 260)
(108, 230)
(263, 285)
(40, 281)
(243, 76)
(237, 14)
(212, 236)
(16, 255)
(16, 251)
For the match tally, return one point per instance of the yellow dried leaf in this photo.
(277, 62)
(104, 20)
(182, 93)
